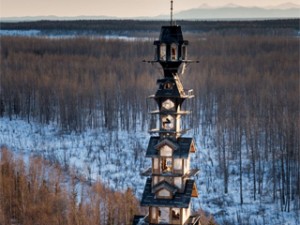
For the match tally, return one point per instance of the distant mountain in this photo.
(230, 5)
(238, 12)
(204, 12)
(287, 5)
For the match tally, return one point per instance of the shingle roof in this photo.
(179, 200)
(182, 152)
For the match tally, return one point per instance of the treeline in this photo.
(248, 99)
(77, 83)
(276, 26)
(37, 192)
(246, 87)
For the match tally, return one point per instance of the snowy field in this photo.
(69, 34)
(117, 158)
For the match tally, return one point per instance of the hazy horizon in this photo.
(114, 8)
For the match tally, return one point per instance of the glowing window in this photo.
(166, 165)
(173, 52)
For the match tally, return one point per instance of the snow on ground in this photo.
(26, 33)
(70, 34)
(113, 157)
(117, 158)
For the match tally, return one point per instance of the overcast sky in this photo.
(120, 8)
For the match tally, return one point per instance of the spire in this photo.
(171, 21)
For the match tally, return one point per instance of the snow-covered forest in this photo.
(82, 102)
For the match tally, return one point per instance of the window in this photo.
(162, 52)
(178, 164)
(164, 214)
(154, 213)
(168, 86)
(156, 54)
(155, 180)
(163, 193)
(173, 52)
(183, 52)
(175, 215)
(166, 165)
(178, 182)
(168, 122)
(155, 163)
(166, 151)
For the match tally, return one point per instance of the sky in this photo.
(119, 8)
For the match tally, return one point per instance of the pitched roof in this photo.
(179, 200)
(168, 142)
(164, 185)
(185, 146)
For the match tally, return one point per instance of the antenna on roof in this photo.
(171, 22)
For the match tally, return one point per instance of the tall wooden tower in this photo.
(169, 186)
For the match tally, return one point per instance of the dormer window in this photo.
(174, 50)
(163, 52)
(166, 151)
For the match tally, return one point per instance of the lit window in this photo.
(166, 165)
(173, 52)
